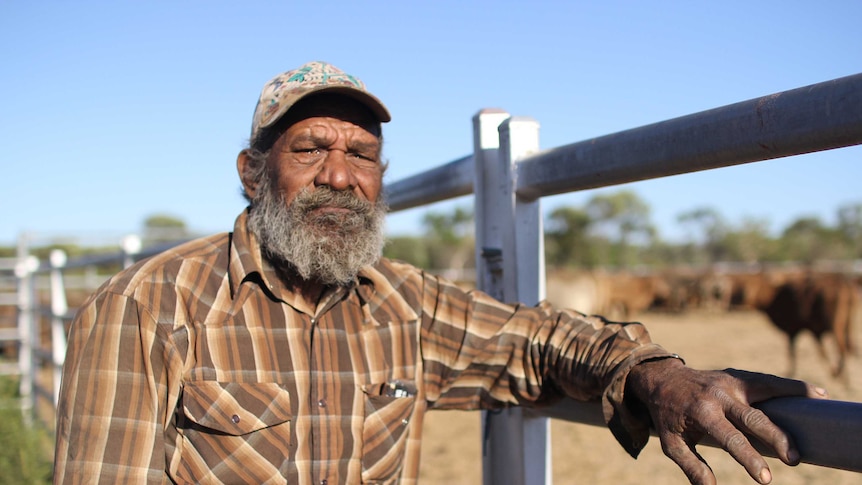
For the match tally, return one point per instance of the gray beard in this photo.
(327, 248)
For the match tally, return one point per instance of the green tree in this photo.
(807, 240)
(750, 243)
(161, 228)
(410, 249)
(449, 238)
(623, 217)
(567, 241)
(850, 227)
(707, 233)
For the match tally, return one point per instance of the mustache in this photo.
(327, 246)
(308, 200)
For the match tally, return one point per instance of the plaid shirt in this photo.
(199, 366)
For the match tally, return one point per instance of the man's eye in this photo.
(364, 158)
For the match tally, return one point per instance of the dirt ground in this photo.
(583, 454)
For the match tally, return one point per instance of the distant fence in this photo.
(509, 174)
(38, 290)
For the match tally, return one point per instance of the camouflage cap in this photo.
(284, 90)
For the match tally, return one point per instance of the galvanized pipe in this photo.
(826, 432)
(819, 117)
(445, 182)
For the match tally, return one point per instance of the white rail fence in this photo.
(38, 292)
(508, 175)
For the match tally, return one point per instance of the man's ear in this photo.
(243, 167)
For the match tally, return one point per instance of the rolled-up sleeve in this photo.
(479, 353)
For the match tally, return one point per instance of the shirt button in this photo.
(235, 419)
(322, 403)
(324, 482)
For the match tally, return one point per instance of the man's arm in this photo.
(686, 405)
(481, 353)
(111, 415)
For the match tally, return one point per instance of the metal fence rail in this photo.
(813, 118)
(43, 313)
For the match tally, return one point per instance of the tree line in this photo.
(611, 230)
(615, 230)
(156, 229)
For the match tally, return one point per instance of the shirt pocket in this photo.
(388, 409)
(235, 430)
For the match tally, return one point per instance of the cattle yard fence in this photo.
(509, 174)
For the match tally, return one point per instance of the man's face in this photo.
(330, 144)
(318, 206)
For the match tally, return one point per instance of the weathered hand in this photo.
(686, 405)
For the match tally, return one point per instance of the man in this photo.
(289, 351)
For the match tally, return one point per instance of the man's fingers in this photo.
(761, 387)
(756, 423)
(733, 441)
(684, 455)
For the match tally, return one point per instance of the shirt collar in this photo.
(245, 257)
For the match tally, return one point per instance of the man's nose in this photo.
(336, 172)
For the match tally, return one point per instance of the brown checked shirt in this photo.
(199, 366)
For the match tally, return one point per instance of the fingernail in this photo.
(793, 456)
(765, 476)
(821, 391)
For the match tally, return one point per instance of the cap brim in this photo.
(368, 100)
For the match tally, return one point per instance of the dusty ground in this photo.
(589, 455)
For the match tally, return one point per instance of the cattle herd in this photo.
(794, 299)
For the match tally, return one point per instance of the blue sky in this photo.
(113, 111)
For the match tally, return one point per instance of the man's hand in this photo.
(686, 405)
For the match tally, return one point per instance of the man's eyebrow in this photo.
(365, 146)
(309, 136)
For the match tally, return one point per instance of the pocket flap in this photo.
(236, 408)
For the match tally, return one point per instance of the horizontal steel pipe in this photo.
(117, 257)
(819, 117)
(826, 432)
(448, 181)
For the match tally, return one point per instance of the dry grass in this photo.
(589, 455)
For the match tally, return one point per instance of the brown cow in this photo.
(613, 295)
(628, 294)
(819, 303)
(715, 291)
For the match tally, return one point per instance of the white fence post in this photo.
(489, 189)
(524, 275)
(500, 460)
(27, 318)
(59, 308)
(509, 240)
(131, 246)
